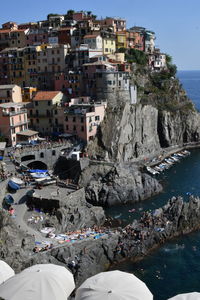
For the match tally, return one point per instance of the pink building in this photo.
(14, 123)
(82, 118)
(68, 83)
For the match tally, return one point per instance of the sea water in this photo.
(175, 267)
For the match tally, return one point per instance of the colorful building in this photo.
(109, 44)
(28, 93)
(121, 39)
(18, 38)
(13, 121)
(82, 118)
(43, 111)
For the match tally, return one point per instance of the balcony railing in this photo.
(14, 113)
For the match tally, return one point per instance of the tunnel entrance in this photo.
(37, 165)
(28, 157)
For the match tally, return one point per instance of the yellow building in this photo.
(30, 66)
(121, 39)
(28, 93)
(109, 45)
(44, 111)
(16, 66)
(18, 38)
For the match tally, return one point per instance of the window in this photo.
(37, 120)
(82, 128)
(49, 103)
(74, 119)
(56, 121)
(106, 49)
(36, 103)
(67, 127)
(74, 128)
(36, 112)
(56, 112)
(82, 119)
(31, 112)
(97, 118)
(90, 119)
(54, 152)
(66, 119)
(41, 154)
(50, 121)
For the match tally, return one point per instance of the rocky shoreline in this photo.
(132, 242)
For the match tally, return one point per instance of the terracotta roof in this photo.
(45, 95)
(5, 30)
(89, 36)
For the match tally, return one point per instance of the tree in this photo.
(122, 50)
(171, 67)
(70, 13)
(51, 15)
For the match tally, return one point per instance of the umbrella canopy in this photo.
(5, 271)
(188, 296)
(47, 281)
(113, 285)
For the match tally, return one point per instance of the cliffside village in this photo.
(56, 75)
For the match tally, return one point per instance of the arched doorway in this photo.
(37, 165)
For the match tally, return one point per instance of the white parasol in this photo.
(47, 281)
(113, 285)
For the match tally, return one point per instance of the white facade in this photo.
(94, 42)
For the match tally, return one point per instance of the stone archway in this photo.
(28, 157)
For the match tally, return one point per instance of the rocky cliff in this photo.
(163, 117)
(108, 185)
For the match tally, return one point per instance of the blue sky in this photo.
(175, 22)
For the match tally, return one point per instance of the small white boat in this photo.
(39, 180)
(152, 171)
(17, 181)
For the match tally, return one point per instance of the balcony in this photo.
(14, 113)
(19, 124)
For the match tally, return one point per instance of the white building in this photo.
(94, 41)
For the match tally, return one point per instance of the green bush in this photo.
(136, 56)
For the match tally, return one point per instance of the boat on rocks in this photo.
(15, 183)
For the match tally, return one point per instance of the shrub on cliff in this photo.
(139, 57)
